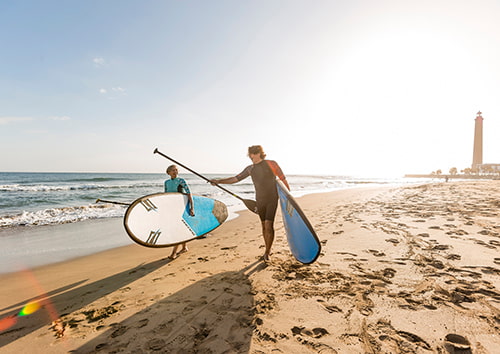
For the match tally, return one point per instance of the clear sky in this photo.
(340, 87)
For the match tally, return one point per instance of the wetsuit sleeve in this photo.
(244, 174)
(278, 172)
(184, 185)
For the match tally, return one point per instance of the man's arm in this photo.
(278, 172)
(229, 180)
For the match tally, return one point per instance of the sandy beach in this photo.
(403, 270)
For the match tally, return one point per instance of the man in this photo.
(263, 173)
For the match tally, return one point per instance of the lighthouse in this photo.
(477, 157)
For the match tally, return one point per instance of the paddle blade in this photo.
(251, 205)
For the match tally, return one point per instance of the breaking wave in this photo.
(62, 215)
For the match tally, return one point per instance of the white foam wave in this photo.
(56, 188)
(62, 215)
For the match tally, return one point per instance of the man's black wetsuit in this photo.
(264, 180)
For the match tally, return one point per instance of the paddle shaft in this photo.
(246, 201)
(109, 201)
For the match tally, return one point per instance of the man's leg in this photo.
(268, 233)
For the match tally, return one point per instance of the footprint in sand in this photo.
(441, 247)
(348, 253)
(120, 330)
(317, 332)
(142, 323)
(455, 341)
(377, 253)
(156, 344)
(393, 241)
(482, 243)
(457, 232)
(329, 308)
(96, 315)
(389, 273)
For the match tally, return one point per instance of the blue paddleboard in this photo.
(163, 219)
(302, 238)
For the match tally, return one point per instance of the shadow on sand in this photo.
(71, 300)
(42, 298)
(213, 315)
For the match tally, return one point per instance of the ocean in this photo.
(34, 199)
(42, 215)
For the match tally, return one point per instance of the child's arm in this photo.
(184, 185)
(191, 205)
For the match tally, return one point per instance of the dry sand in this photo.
(402, 270)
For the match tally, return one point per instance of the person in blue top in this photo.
(178, 185)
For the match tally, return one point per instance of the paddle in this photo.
(109, 201)
(250, 204)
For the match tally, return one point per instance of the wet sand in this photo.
(408, 270)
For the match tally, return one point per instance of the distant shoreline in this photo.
(453, 176)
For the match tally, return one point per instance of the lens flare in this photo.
(7, 322)
(41, 301)
(29, 309)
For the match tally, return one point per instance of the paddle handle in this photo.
(196, 173)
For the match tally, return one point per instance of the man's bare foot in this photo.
(265, 257)
(173, 256)
(184, 250)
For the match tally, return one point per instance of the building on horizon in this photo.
(477, 155)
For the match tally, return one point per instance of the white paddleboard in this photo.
(163, 220)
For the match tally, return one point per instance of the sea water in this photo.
(34, 199)
(33, 204)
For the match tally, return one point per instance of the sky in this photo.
(347, 87)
